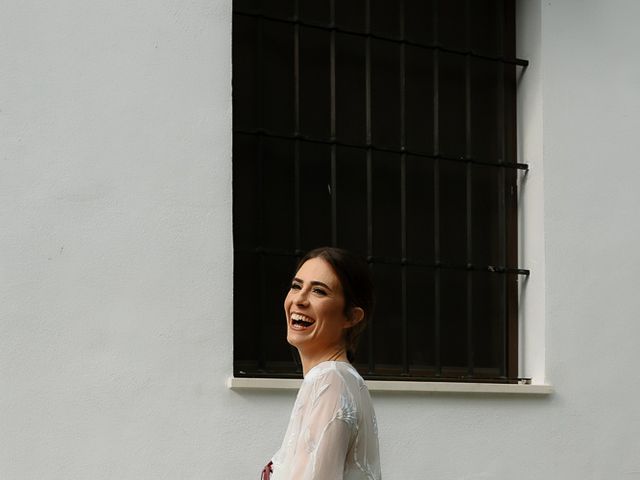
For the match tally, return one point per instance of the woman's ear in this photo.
(356, 314)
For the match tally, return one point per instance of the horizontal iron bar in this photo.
(305, 138)
(397, 261)
(497, 269)
(512, 61)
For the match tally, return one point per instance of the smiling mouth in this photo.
(301, 321)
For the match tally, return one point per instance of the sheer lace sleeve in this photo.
(327, 428)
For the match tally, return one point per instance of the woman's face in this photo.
(314, 308)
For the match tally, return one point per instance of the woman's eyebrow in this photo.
(317, 283)
(313, 282)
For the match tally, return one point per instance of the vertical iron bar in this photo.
(403, 192)
(332, 70)
(261, 68)
(296, 125)
(260, 343)
(296, 68)
(368, 127)
(502, 232)
(261, 354)
(261, 329)
(469, 193)
(436, 196)
(512, 193)
(503, 277)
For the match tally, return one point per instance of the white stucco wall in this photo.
(116, 248)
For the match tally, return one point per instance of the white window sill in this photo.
(236, 383)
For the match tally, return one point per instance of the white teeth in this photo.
(300, 322)
(298, 316)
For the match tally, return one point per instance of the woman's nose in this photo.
(301, 298)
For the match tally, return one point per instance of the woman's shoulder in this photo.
(338, 372)
(331, 367)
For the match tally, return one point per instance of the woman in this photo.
(332, 433)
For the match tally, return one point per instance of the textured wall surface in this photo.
(116, 257)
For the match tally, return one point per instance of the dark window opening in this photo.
(386, 127)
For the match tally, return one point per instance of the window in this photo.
(386, 127)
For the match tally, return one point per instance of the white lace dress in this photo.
(332, 433)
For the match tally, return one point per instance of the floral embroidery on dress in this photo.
(347, 411)
(375, 424)
(318, 394)
(309, 443)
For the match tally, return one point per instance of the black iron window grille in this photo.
(386, 127)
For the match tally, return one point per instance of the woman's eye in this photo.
(319, 291)
(295, 286)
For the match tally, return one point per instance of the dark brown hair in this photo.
(357, 288)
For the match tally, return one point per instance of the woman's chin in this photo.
(295, 339)
(303, 340)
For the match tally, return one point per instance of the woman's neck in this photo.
(309, 360)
